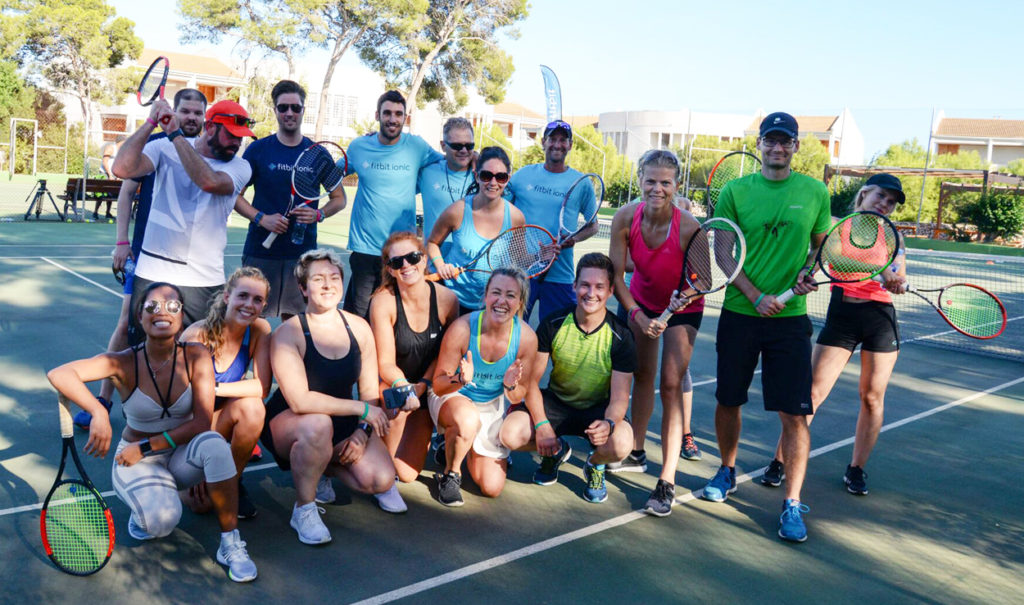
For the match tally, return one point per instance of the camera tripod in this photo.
(36, 202)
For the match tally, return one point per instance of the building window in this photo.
(948, 148)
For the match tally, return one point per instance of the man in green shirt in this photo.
(784, 216)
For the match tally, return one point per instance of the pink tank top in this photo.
(656, 272)
(868, 289)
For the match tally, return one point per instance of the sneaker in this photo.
(233, 554)
(791, 523)
(595, 491)
(246, 509)
(661, 500)
(721, 485)
(548, 471)
(690, 451)
(449, 490)
(774, 474)
(324, 490)
(391, 501)
(307, 522)
(257, 454)
(856, 480)
(136, 531)
(635, 462)
(82, 419)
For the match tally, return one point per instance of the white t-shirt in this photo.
(187, 228)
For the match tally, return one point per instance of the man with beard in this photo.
(189, 107)
(195, 187)
(446, 181)
(388, 163)
(271, 159)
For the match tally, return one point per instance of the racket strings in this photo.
(317, 167)
(730, 168)
(528, 249)
(77, 528)
(574, 217)
(714, 258)
(859, 246)
(149, 88)
(972, 310)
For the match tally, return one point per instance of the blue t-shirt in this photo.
(142, 208)
(538, 194)
(386, 198)
(271, 162)
(439, 187)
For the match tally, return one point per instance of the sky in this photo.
(891, 63)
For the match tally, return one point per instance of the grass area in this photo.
(962, 247)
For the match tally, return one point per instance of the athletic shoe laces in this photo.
(595, 478)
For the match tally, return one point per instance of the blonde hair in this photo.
(212, 334)
(521, 279)
(387, 281)
(862, 193)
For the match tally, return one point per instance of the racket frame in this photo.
(685, 277)
(939, 310)
(485, 253)
(159, 92)
(708, 201)
(269, 240)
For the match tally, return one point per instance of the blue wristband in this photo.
(259, 217)
(759, 299)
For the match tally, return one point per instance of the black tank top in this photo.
(414, 351)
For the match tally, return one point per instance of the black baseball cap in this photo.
(888, 181)
(779, 121)
(558, 125)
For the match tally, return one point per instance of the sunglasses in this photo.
(397, 262)
(238, 120)
(171, 306)
(283, 107)
(460, 146)
(486, 176)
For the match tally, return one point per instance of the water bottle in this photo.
(299, 233)
(129, 266)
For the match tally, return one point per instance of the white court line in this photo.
(550, 543)
(69, 245)
(107, 256)
(79, 275)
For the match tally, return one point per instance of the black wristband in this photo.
(367, 428)
(145, 447)
(508, 388)
(611, 425)
(174, 134)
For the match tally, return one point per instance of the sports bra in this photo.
(146, 415)
(239, 365)
(414, 351)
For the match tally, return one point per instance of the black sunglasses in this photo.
(239, 120)
(486, 176)
(283, 107)
(397, 262)
(460, 146)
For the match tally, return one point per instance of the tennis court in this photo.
(941, 525)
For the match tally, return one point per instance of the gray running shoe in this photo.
(449, 490)
(661, 500)
(633, 463)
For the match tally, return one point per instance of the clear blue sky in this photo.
(889, 62)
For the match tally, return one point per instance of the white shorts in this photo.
(492, 413)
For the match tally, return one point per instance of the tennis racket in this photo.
(712, 260)
(76, 525)
(857, 248)
(580, 206)
(153, 82)
(317, 172)
(969, 309)
(529, 248)
(732, 166)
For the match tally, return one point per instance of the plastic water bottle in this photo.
(129, 266)
(299, 233)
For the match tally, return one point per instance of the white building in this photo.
(998, 142)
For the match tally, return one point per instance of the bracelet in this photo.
(541, 423)
(508, 388)
(366, 428)
(145, 447)
(259, 217)
(397, 380)
(124, 243)
(320, 215)
(426, 382)
(759, 299)
(175, 134)
(151, 121)
(170, 441)
(435, 259)
(366, 411)
(633, 312)
(611, 425)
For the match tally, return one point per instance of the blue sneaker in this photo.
(82, 419)
(548, 471)
(791, 523)
(721, 485)
(595, 491)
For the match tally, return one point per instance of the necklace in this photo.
(449, 183)
(165, 400)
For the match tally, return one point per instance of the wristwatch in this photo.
(366, 428)
(174, 134)
(611, 425)
(145, 447)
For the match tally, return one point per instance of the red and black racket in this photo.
(76, 525)
(153, 82)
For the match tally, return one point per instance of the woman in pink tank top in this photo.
(654, 233)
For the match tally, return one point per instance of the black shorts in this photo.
(343, 427)
(676, 319)
(872, 325)
(365, 278)
(784, 346)
(567, 420)
(284, 297)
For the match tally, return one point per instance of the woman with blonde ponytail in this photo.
(237, 337)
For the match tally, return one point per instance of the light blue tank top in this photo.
(488, 377)
(466, 244)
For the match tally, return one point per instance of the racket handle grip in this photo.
(436, 277)
(785, 296)
(67, 427)
(663, 318)
(269, 241)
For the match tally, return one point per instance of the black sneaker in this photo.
(635, 462)
(856, 480)
(774, 474)
(661, 500)
(246, 509)
(449, 490)
(548, 471)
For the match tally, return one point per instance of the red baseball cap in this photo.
(233, 116)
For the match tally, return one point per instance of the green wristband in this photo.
(759, 299)
(541, 423)
(366, 411)
(170, 441)
(397, 380)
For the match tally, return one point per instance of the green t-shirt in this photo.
(777, 219)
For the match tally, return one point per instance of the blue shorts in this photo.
(552, 296)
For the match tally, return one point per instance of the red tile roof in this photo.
(189, 63)
(968, 127)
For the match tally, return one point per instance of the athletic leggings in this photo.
(150, 486)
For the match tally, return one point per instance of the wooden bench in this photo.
(94, 189)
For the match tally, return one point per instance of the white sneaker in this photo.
(391, 501)
(325, 490)
(135, 531)
(233, 554)
(306, 521)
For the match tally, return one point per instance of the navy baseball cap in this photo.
(558, 125)
(779, 121)
(888, 181)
